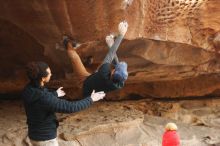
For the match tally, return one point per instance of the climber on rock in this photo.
(111, 75)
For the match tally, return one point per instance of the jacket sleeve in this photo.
(111, 55)
(51, 102)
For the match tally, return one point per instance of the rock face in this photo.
(158, 69)
(32, 30)
(172, 48)
(189, 21)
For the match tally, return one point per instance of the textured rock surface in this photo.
(32, 30)
(158, 69)
(121, 124)
(189, 21)
(172, 48)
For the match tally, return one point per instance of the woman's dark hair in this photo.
(36, 70)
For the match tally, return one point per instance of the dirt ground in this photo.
(125, 123)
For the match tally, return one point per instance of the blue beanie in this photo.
(121, 73)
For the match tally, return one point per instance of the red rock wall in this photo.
(187, 21)
(31, 30)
